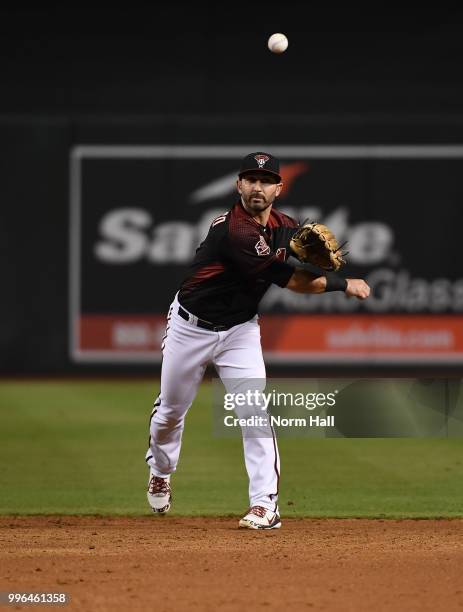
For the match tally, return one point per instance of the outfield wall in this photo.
(100, 218)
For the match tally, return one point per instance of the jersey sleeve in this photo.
(249, 251)
(278, 272)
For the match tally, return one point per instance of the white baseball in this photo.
(277, 43)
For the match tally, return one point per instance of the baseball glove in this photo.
(316, 244)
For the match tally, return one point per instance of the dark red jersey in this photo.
(236, 264)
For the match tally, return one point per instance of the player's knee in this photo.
(167, 420)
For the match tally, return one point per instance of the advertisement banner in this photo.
(139, 212)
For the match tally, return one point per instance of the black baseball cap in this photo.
(264, 162)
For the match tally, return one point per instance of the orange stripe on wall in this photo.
(356, 334)
(303, 334)
(121, 332)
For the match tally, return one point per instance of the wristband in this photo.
(335, 282)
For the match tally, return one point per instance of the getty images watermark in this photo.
(258, 408)
(259, 402)
(338, 408)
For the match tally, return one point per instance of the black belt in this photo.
(201, 322)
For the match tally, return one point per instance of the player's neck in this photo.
(262, 216)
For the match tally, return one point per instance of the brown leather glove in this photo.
(316, 244)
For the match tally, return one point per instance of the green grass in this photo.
(78, 448)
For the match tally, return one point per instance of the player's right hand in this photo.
(357, 287)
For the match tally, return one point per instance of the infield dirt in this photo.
(169, 563)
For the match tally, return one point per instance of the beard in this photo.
(256, 203)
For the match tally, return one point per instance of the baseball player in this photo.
(213, 319)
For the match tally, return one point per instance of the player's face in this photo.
(258, 190)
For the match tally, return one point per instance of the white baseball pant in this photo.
(236, 354)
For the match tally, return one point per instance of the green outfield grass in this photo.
(78, 448)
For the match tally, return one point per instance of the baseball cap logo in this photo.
(261, 160)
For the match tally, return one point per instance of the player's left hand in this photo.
(316, 244)
(357, 287)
